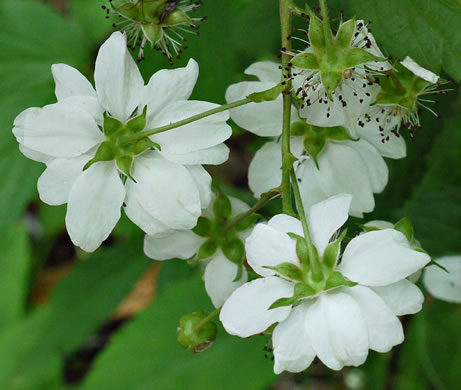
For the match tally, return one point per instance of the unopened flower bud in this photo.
(195, 333)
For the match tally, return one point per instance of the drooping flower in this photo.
(334, 305)
(224, 271)
(403, 92)
(330, 161)
(95, 160)
(157, 22)
(444, 285)
(335, 82)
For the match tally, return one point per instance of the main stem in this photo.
(285, 21)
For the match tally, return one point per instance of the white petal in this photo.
(202, 180)
(214, 156)
(443, 285)
(384, 328)
(293, 351)
(36, 156)
(326, 217)
(169, 85)
(57, 130)
(402, 297)
(378, 173)
(56, 181)
(246, 312)
(265, 171)
(337, 330)
(286, 224)
(119, 84)
(89, 104)
(263, 119)
(419, 71)
(136, 212)
(70, 82)
(341, 172)
(166, 191)
(182, 244)
(265, 71)
(380, 257)
(267, 246)
(219, 279)
(198, 135)
(93, 208)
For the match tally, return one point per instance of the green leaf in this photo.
(426, 30)
(88, 15)
(145, 354)
(14, 264)
(79, 305)
(34, 36)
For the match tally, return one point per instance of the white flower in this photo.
(442, 284)
(397, 104)
(354, 167)
(340, 324)
(170, 188)
(220, 272)
(353, 95)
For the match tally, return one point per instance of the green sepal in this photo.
(128, 9)
(124, 163)
(301, 290)
(222, 207)
(300, 128)
(339, 133)
(203, 227)
(332, 251)
(139, 123)
(404, 226)
(288, 270)
(337, 280)
(314, 145)
(234, 250)
(330, 81)
(356, 56)
(345, 34)
(367, 229)
(104, 153)
(306, 61)
(144, 144)
(111, 125)
(153, 32)
(266, 96)
(432, 262)
(177, 17)
(207, 249)
(283, 302)
(247, 222)
(239, 274)
(316, 35)
(301, 248)
(193, 339)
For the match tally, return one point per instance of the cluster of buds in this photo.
(158, 22)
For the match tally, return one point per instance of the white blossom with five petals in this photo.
(338, 325)
(171, 187)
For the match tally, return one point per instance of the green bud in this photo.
(193, 338)
(288, 270)
(404, 226)
(104, 153)
(222, 207)
(203, 227)
(306, 61)
(207, 249)
(337, 280)
(345, 34)
(266, 96)
(234, 250)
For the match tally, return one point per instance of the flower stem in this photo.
(302, 216)
(224, 107)
(287, 157)
(266, 197)
(208, 318)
